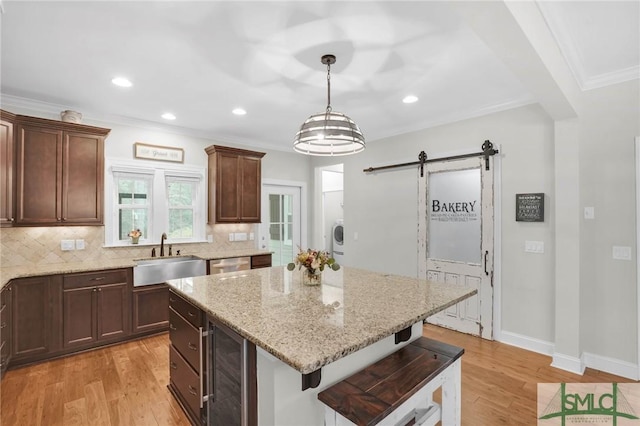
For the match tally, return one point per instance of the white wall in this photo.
(382, 207)
(610, 121)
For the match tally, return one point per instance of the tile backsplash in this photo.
(24, 246)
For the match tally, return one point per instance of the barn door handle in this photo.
(486, 254)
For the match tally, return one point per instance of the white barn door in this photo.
(456, 239)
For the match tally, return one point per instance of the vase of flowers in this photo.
(312, 263)
(135, 236)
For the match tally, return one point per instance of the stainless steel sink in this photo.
(161, 269)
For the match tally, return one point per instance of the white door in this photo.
(280, 231)
(456, 239)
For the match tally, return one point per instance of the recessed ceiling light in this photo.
(410, 99)
(168, 116)
(122, 82)
(239, 111)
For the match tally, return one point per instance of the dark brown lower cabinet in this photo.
(212, 368)
(96, 307)
(150, 308)
(32, 318)
(5, 328)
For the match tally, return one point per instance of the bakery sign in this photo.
(455, 211)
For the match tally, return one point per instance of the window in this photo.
(181, 197)
(133, 203)
(154, 201)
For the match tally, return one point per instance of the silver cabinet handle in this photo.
(173, 365)
(191, 314)
(171, 327)
(192, 390)
(192, 347)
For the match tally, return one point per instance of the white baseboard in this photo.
(525, 342)
(611, 365)
(568, 363)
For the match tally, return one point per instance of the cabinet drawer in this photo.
(91, 279)
(261, 261)
(186, 339)
(185, 381)
(190, 312)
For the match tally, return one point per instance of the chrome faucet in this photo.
(164, 237)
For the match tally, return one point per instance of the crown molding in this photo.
(52, 111)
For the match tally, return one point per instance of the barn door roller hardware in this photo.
(487, 151)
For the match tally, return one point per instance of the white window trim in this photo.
(160, 202)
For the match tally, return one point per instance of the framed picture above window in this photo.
(156, 152)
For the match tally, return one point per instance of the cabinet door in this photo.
(5, 328)
(250, 189)
(31, 317)
(7, 213)
(80, 320)
(113, 311)
(38, 175)
(150, 308)
(227, 180)
(82, 178)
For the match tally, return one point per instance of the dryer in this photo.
(338, 241)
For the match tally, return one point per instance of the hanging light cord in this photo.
(328, 87)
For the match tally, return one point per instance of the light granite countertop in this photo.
(309, 327)
(12, 272)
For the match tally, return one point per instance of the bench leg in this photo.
(452, 396)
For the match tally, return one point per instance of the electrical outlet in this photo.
(79, 244)
(231, 236)
(252, 236)
(66, 245)
(209, 238)
(355, 236)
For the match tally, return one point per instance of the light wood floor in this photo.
(499, 382)
(127, 385)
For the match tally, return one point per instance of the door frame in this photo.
(303, 206)
(497, 235)
(637, 152)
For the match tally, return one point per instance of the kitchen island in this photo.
(307, 337)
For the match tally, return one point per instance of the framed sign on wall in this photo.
(160, 153)
(530, 207)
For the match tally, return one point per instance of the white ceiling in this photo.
(200, 60)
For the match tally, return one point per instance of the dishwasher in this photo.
(230, 264)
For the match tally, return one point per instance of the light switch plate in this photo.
(252, 236)
(589, 213)
(66, 245)
(79, 244)
(240, 236)
(534, 246)
(621, 252)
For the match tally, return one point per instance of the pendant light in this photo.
(329, 133)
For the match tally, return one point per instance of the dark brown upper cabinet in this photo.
(59, 173)
(234, 185)
(7, 141)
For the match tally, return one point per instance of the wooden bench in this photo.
(398, 389)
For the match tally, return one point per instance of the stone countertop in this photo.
(309, 327)
(12, 272)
